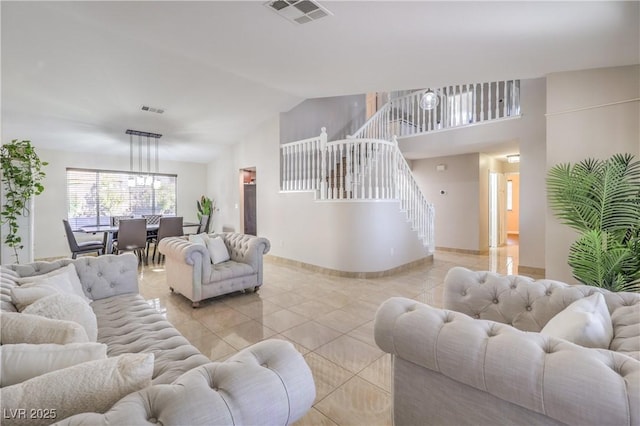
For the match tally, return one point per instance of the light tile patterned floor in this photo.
(328, 319)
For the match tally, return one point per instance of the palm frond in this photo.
(600, 260)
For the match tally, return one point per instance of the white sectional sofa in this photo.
(484, 361)
(268, 383)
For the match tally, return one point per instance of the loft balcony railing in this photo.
(458, 106)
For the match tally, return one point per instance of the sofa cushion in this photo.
(69, 307)
(24, 361)
(229, 269)
(626, 330)
(8, 280)
(92, 386)
(128, 323)
(64, 282)
(585, 322)
(200, 239)
(65, 279)
(25, 328)
(217, 250)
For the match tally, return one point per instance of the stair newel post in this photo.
(289, 162)
(362, 177)
(377, 159)
(396, 166)
(323, 165)
(347, 188)
(283, 172)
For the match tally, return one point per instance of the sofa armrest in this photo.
(561, 380)
(246, 248)
(184, 251)
(268, 383)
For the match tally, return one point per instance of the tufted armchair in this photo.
(190, 271)
(481, 359)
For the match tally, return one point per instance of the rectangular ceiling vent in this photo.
(298, 11)
(152, 109)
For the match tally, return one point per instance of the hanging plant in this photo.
(601, 200)
(21, 177)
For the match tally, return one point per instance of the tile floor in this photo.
(328, 319)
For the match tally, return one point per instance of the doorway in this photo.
(513, 208)
(248, 205)
(497, 209)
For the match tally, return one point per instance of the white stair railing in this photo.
(458, 106)
(356, 170)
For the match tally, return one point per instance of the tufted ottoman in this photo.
(191, 273)
(483, 361)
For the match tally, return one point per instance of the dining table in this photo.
(109, 231)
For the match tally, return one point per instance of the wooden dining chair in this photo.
(132, 236)
(169, 227)
(82, 247)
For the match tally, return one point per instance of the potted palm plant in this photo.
(601, 200)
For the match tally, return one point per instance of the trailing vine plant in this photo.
(21, 178)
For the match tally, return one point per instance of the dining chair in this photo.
(169, 227)
(204, 224)
(115, 221)
(152, 219)
(82, 247)
(132, 236)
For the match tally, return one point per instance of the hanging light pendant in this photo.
(143, 178)
(429, 100)
(132, 181)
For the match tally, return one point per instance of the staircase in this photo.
(368, 165)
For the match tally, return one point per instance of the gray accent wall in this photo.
(341, 115)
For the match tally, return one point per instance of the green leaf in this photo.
(601, 200)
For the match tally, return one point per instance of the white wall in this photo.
(354, 237)
(597, 132)
(457, 223)
(533, 193)
(51, 205)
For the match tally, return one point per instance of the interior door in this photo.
(250, 222)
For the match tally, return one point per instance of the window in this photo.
(509, 195)
(93, 196)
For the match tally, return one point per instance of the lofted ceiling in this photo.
(76, 74)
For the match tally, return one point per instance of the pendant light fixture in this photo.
(144, 177)
(429, 100)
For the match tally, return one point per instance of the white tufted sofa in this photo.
(190, 272)
(481, 361)
(268, 383)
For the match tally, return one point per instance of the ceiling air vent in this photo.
(298, 11)
(152, 109)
